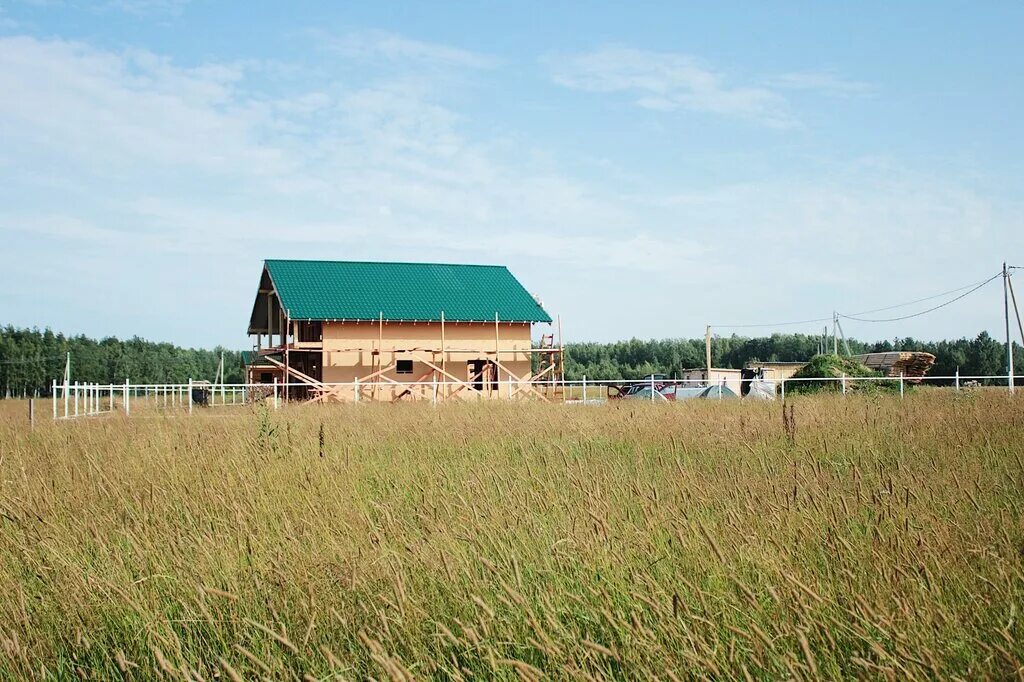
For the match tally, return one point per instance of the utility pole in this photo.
(1016, 310)
(1006, 319)
(835, 331)
(707, 351)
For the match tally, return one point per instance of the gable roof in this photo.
(353, 290)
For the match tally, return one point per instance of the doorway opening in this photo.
(482, 374)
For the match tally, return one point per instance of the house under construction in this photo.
(345, 331)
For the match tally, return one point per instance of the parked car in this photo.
(634, 388)
(676, 393)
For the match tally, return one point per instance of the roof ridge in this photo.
(383, 262)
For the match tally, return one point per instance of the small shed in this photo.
(731, 378)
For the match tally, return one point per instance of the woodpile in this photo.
(911, 364)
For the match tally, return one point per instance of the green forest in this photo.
(633, 359)
(31, 359)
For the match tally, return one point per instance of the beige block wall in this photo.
(344, 361)
(731, 377)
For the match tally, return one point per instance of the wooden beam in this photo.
(380, 349)
(287, 356)
(306, 379)
(468, 384)
(270, 321)
(443, 352)
(377, 373)
(433, 366)
(527, 387)
(408, 390)
(533, 378)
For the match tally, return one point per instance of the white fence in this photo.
(70, 401)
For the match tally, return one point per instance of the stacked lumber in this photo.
(911, 364)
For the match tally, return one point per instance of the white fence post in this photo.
(584, 389)
(844, 383)
(958, 378)
(53, 392)
(652, 387)
(901, 385)
(76, 398)
(355, 390)
(190, 395)
(783, 385)
(127, 402)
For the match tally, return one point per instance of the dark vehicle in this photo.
(201, 393)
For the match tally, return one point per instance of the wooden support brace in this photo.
(408, 390)
(519, 383)
(435, 367)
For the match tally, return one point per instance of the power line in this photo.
(924, 312)
(920, 300)
(973, 287)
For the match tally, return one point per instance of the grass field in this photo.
(876, 538)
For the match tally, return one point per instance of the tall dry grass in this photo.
(874, 538)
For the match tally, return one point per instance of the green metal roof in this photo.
(253, 358)
(351, 290)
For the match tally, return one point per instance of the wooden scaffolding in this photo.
(299, 357)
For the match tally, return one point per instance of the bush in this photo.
(835, 367)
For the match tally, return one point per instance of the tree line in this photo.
(636, 358)
(31, 359)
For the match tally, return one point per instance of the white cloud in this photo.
(667, 81)
(173, 181)
(137, 8)
(202, 157)
(113, 110)
(824, 82)
(6, 22)
(396, 48)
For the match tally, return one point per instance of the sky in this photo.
(644, 168)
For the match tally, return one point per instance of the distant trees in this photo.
(634, 359)
(31, 359)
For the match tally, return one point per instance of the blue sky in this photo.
(645, 169)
